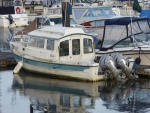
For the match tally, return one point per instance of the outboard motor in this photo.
(106, 64)
(121, 62)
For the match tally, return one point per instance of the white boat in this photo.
(84, 13)
(128, 36)
(12, 14)
(61, 51)
(88, 16)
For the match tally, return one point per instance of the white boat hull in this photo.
(87, 73)
(19, 20)
(144, 54)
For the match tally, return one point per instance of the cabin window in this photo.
(87, 45)
(36, 42)
(50, 44)
(76, 46)
(56, 20)
(64, 48)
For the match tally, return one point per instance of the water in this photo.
(19, 91)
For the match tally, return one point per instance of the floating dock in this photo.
(7, 59)
(143, 71)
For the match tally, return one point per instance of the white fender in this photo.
(18, 67)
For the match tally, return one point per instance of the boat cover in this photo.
(145, 13)
(124, 20)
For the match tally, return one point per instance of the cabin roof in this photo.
(55, 32)
(124, 20)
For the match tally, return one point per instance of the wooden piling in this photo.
(65, 13)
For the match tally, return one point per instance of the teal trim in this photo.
(52, 65)
(56, 88)
(53, 87)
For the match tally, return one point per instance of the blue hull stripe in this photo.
(52, 65)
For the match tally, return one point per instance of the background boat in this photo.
(12, 14)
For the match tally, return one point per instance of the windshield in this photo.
(144, 25)
(134, 41)
(115, 33)
(72, 21)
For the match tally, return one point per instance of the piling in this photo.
(66, 13)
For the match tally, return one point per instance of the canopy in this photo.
(124, 20)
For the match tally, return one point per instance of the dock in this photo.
(143, 71)
(7, 59)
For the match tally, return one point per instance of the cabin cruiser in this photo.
(12, 14)
(65, 52)
(129, 36)
(88, 16)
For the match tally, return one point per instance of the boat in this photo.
(64, 52)
(88, 16)
(33, 6)
(128, 36)
(12, 14)
(84, 13)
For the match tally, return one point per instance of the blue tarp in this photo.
(145, 13)
(124, 20)
(70, 9)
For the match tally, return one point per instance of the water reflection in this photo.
(57, 95)
(82, 97)
(132, 96)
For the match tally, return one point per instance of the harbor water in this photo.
(28, 92)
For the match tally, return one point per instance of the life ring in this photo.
(17, 10)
